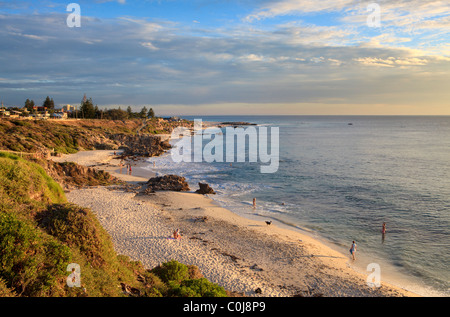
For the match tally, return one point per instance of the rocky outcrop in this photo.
(141, 145)
(44, 138)
(167, 182)
(205, 189)
(71, 175)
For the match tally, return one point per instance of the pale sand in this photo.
(237, 253)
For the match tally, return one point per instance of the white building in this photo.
(68, 108)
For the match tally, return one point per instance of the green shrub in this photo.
(21, 123)
(181, 281)
(9, 156)
(30, 263)
(153, 292)
(155, 287)
(172, 271)
(78, 227)
(5, 291)
(24, 182)
(201, 288)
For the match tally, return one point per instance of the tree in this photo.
(96, 112)
(130, 112)
(29, 105)
(49, 103)
(87, 109)
(115, 114)
(151, 113)
(143, 113)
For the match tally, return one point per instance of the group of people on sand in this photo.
(128, 167)
(353, 247)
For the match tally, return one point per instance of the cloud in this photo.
(150, 46)
(137, 61)
(385, 40)
(310, 34)
(287, 7)
(409, 22)
(391, 61)
(412, 16)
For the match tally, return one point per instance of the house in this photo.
(59, 115)
(40, 108)
(4, 112)
(15, 114)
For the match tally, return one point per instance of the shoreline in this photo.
(240, 254)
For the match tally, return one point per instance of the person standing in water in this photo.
(383, 232)
(353, 250)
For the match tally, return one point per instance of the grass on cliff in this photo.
(41, 234)
(26, 183)
(71, 136)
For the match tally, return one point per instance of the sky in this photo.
(224, 57)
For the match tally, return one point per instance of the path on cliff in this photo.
(144, 124)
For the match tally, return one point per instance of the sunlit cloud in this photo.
(287, 7)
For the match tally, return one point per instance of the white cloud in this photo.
(166, 63)
(391, 61)
(385, 40)
(310, 34)
(150, 46)
(251, 58)
(406, 15)
(286, 7)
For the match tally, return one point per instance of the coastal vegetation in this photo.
(41, 234)
(71, 136)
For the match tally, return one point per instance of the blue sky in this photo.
(230, 56)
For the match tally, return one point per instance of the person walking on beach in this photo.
(353, 250)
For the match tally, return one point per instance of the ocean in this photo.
(339, 179)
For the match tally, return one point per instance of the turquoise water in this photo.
(341, 181)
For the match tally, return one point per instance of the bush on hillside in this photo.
(24, 182)
(199, 288)
(181, 281)
(172, 271)
(5, 291)
(30, 263)
(78, 227)
(40, 234)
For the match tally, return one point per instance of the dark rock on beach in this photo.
(167, 182)
(205, 189)
(141, 145)
(71, 175)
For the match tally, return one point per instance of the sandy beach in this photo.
(242, 255)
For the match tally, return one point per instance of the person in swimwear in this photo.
(176, 234)
(353, 250)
